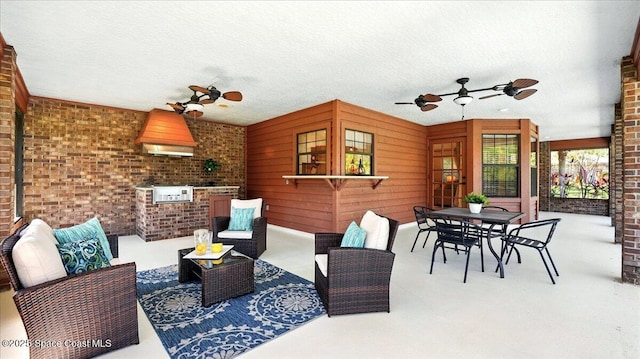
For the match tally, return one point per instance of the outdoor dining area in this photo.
(461, 229)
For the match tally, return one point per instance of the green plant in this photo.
(210, 165)
(476, 198)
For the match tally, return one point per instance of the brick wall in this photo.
(7, 144)
(173, 220)
(631, 165)
(81, 160)
(544, 181)
(596, 207)
(616, 177)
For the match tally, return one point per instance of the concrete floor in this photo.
(587, 314)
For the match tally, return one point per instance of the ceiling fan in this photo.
(513, 89)
(196, 103)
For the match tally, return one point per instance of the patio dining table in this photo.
(493, 218)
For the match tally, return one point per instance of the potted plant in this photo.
(475, 201)
(210, 167)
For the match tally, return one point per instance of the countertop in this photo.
(150, 187)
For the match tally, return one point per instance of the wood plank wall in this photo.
(312, 206)
(400, 150)
(271, 149)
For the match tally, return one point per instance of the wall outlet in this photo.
(266, 207)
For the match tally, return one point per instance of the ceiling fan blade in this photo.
(176, 106)
(428, 107)
(490, 96)
(405, 103)
(523, 83)
(232, 96)
(431, 97)
(207, 101)
(198, 89)
(524, 94)
(195, 114)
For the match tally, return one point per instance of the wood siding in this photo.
(312, 205)
(400, 151)
(271, 154)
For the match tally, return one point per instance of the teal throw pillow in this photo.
(354, 236)
(82, 256)
(241, 219)
(88, 229)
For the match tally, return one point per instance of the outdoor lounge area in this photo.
(327, 179)
(523, 315)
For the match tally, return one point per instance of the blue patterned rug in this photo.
(282, 301)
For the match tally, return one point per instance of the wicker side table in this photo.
(231, 278)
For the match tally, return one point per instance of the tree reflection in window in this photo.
(358, 153)
(580, 173)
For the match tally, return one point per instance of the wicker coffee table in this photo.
(231, 278)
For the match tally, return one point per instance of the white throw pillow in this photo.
(39, 228)
(37, 260)
(323, 263)
(377, 229)
(249, 203)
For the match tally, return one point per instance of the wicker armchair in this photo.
(88, 314)
(357, 279)
(253, 246)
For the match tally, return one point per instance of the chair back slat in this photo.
(422, 215)
(550, 223)
(459, 231)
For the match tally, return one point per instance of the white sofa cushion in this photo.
(323, 263)
(37, 259)
(39, 228)
(377, 229)
(249, 203)
(235, 234)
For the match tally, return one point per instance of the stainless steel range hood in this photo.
(165, 133)
(167, 150)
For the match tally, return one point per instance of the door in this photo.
(448, 179)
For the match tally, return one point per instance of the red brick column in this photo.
(615, 176)
(7, 144)
(631, 174)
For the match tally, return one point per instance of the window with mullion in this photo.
(358, 153)
(500, 165)
(312, 152)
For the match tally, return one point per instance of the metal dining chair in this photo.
(537, 235)
(422, 214)
(460, 233)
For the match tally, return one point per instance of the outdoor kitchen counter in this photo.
(171, 220)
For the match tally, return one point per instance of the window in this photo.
(312, 153)
(358, 153)
(533, 161)
(19, 164)
(580, 173)
(500, 165)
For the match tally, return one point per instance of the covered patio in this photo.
(589, 313)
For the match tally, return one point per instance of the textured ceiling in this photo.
(285, 56)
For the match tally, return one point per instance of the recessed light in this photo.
(503, 110)
(223, 105)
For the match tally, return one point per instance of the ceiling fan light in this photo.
(194, 107)
(463, 100)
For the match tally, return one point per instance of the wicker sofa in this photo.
(357, 279)
(80, 315)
